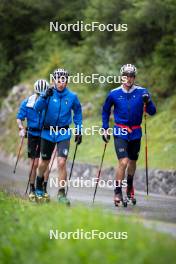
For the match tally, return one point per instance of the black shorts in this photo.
(47, 148)
(34, 147)
(127, 149)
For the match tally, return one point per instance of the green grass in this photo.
(24, 232)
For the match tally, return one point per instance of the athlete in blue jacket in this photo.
(34, 126)
(128, 102)
(59, 103)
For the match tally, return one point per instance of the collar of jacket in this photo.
(131, 89)
(61, 94)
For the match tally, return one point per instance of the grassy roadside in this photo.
(24, 232)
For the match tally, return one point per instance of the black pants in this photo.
(47, 148)
(127, 149)
(34, 147)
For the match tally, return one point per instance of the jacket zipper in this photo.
(59, 111)
(128, 112)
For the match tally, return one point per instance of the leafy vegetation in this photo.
(149, 42)
(24, 231)
(32, 52)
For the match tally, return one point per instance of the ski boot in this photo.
(32, 196)
(130, 195)
(118, 199)
(62, 199)
(39, 189)
(39, 195)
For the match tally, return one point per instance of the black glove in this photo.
(146, 98)
(78, 139)
(106, 138)
(48, 93)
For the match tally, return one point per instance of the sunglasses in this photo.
(128, 74)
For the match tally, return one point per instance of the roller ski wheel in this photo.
(125, 203)
(130, 196)
(32, 197)
(39, 196)
(118, 200)
(132, 200)
(46, 197)
(62, 199)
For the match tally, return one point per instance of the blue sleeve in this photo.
(77, 117)
(22, 111)
(40, 104)
(106, 111)
(151, 109)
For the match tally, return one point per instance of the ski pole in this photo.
(72, 166)
(18, 156)
(99, 172)
(30, 173)
(146, 145)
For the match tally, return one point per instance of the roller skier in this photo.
(60, 103)
(33, 131)
(128, 101)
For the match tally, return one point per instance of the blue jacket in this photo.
(59, 108)
(33, 117)
(128, 110)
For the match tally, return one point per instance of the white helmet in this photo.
(60, 73)
(128, 69)
(40, 86)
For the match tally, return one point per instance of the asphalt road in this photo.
(155, 211)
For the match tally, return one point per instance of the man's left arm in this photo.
(150, 107)
(77, 118)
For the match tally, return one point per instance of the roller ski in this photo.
(32, 196)
(39, 196)
(130, 195)
(46, 197)
(62, 199)
(118, 199)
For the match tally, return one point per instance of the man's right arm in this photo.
(106, 111)
(21, 115)
(105, 117)
(42, 101)
(40, 104)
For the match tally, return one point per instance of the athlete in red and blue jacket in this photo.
(128, 102)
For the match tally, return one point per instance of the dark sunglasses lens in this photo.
(128, 74)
